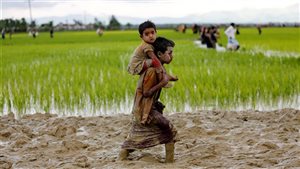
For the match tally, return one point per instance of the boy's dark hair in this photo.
(161, 44)
(145, 25)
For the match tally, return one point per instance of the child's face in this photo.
(149, 35)
(167, 56)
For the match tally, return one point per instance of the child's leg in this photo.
(147, 64)
(169, 148)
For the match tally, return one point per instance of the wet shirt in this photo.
(142, 105)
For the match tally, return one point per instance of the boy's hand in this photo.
(173, 78)
(164, 81)
(165, 78)
(148, 93)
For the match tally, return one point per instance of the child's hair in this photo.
(161, 44)
(145, 25)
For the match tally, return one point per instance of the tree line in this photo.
(17, 25)
(21, 25)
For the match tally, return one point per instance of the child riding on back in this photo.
(144, 56)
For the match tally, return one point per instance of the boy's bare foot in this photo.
(123, 155)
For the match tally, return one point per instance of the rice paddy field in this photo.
(80, 73)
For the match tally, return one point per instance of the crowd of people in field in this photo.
(209, 36)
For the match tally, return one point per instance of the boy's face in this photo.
(167, 56)
(149, 35)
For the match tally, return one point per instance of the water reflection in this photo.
(114, 108)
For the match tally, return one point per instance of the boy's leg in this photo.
(169, 132)
(147, 63)
(169, 148)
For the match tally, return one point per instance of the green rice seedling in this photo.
(79, 72)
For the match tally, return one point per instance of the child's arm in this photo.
(155, 62)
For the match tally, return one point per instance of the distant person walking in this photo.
(3, 33)
(237, 30)
(99, 31)
(195, 28)
(213, 36)
(181, 28)
(51, 32)
(259, 29)
(230, 32)
(33, 33)
(209, 38)
(205, 37)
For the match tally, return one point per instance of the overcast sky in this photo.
(134, 8)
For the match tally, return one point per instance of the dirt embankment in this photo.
(208, 139)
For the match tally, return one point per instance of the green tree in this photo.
(128, 25)
(114, 24)
(17, 25)
(14, 25)
(23, 25)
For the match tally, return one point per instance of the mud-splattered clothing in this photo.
(157, 129)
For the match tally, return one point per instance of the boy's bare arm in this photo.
(164, 81)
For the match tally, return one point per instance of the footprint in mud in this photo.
(148, 158)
